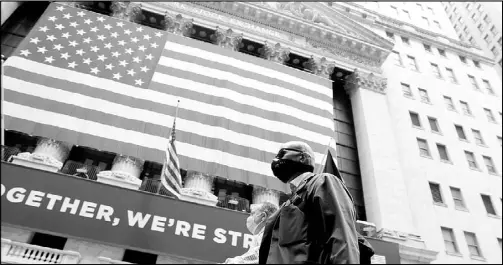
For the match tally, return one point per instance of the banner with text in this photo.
(86, 209)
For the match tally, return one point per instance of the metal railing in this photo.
(17, 252)
(234, 203)
(150, 185)
(80, 170)
(8, 152)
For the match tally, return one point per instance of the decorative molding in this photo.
(127, 165)
(414, 255)
(40, 161)
(275, 52)
(367, 81)
(261, 195)
(227, 38)
(126, 10)
(321, 67)
(177, 24)
(290, 32)
(52, 148)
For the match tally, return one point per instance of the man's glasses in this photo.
(283, 151)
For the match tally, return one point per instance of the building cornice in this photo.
(412, 31)
(306, 38)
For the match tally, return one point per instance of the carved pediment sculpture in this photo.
(366, 81)
(275, 52)
(321, 67)
(126, 10)
(177, 24)
(227, 38)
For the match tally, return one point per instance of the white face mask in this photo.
(251, 225)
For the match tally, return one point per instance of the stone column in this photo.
(385, 192)
(228, 39)
(177, 24)
(126, 10)
(1, 74)
(261, 194)
(7, 8)
(275, 53)
(125, 172)
(48, 155)
(197, 188)
(321, 67)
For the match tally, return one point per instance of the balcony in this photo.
(18, 253)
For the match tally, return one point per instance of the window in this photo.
(395, 10)
(486, 39)
(442, 151)
(478, 137)
(457, 197)
(489, 164)
(449, 103)
(494, 31)
(450, 75)
(500, 140)
(405, 40)
(397, 58)
(414, 117)
(390, 35)
(427, 47)
(487, 20)
(441, 52)
(473, 82)
(133, 256)
(426, 22)
(489, 115)
(431, 10)
(494, 51)
(424, 95)
(462, 59)
(488, 87)
(480, 27)
(406, 90)
(465, 29)
(48, 241)
(449, 240)
(488, 204)
(436, 70)
(473, 17)
(406, 13)
(420, 6)
(472, 41)
(436, 194)
(423, 147)
(499, 42)
(412, 63)
(473, 246)
(433, 124)
(466, 108)
(460, 131)
(476, 63)
(437, 24)
(499, 242)
(472, 163)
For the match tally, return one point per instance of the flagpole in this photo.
(323, 161)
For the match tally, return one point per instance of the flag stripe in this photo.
(167, 99)
(151, 153)
(170, 188)
(242, 81)
(177, 179)
(214, 64)
(214, 53)
(236, 89)
(225, 140)
(133, 137)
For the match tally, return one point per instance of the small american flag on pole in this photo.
(170, 175)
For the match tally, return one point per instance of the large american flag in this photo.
(109, 84)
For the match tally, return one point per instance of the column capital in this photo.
(412, 249)
(126, 10)
(320, 66)
(177, 24)
(275, 53)
(227, 38)
(366, 81)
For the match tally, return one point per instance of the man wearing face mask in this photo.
(318, 223)
(255, 224)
